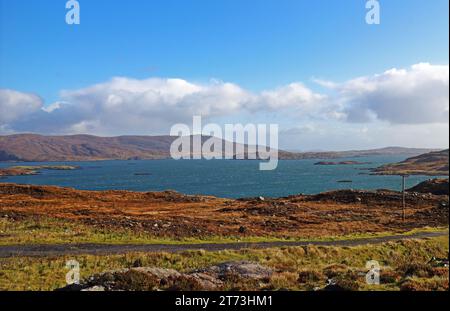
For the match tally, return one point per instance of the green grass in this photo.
(347, 263)
(54, 231)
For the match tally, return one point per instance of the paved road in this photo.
(102, 249)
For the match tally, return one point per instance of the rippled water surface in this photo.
(223, 178)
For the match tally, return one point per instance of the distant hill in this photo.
(32, 147)
(432, 163)
(407, 152)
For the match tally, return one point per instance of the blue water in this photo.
(223, 178)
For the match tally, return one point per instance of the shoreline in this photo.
(245, 198)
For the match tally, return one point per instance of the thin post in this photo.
(403, 198)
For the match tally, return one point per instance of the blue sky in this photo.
(257, 45)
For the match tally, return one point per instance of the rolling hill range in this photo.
(32, 147)
(432, 163)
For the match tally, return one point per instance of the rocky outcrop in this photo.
(151, 278)
(434, 186)
(243, 269)
(32, 170)
(16, 172)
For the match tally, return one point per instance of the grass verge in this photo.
(404, 265)
(55, 231)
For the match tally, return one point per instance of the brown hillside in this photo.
(432, 163)
(31, 147)
(171, 214)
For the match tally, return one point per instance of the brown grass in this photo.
(169, 214)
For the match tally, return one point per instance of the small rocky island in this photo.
(33, 170)
(341, 163)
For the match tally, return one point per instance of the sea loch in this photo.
(222, 178)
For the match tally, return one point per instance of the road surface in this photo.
(104, 249)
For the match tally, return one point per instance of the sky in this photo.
(315, 67)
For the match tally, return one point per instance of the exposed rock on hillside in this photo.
(149, 278)
(434, 186)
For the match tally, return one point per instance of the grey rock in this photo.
(210, 278)
(244, 269)
(94, 288)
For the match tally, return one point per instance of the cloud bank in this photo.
(16, 105)
(397, 98)
(400, 96)
(146, 106)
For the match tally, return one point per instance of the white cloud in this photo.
(295, 97)
(345, 136)
(14, 105)
(417, 95)
(325, 83)
(384, 108)
(150, 106)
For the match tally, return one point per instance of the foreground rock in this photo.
(243, 269)
(216, 277)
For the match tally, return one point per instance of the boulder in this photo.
(244, 269)
(152, 278)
